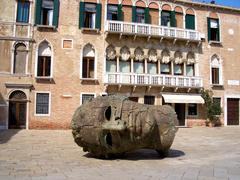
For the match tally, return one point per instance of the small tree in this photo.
(213, 109)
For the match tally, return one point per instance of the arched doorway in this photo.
(17, 110)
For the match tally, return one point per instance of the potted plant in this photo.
(213, 109)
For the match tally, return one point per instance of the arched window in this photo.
(111, 60)
(20, 59)
(190, 64)
(178, 63)
(165, 63)
(153, 13)
(213, 27)
(44, 62)
(152, 64)
(179, 16)
(168, 16)
(138, 65)
(216, 70)
(88, 62)
(190, 19)
(23, 11)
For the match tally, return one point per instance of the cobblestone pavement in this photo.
(197, 153)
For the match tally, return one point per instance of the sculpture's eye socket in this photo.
(108, 113)
(108, 139)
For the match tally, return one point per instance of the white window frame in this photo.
(220, 71)
(36, 61)
(67, 40)
(189, 115)
(49, 106)
(86, 93)
(95, 64)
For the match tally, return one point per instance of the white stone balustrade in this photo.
(151, 30)
(153, 80)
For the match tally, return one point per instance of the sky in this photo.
(232, 3)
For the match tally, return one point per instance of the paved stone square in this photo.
(197, 153)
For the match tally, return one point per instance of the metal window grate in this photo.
(42, 103)
(87, 98)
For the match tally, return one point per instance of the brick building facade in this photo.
(57, 54)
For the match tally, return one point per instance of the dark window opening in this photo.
(140, 15)
(108, 113)
(44, 66)
(47, 12)
(112, 12)
(90, 15)
(108, 139)
(149, 100)
(213, 30)
(192, 109)
(215, 75)
(88, 67)
(166, 18)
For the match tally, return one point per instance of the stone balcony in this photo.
(153, 80)
(16, 31)
(148, 30)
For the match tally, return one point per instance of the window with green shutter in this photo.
(213, 29)
(47, 12)
(120, 13)
(81, 14)
(133, 13)
(112, 12)
(165, 18)
(172, 19)
(98, 16)
(147, 16)
(190, 21)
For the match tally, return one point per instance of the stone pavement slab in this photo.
(197, 153)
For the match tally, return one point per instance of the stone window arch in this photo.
(139, 64)
(125, 63)
(166, 62)
(111, 59)
(216, 70)
(190, 20)
(152, 65)
(178, 63)
(88, 62)
(190, 64)
(20, 59)
(44, 60)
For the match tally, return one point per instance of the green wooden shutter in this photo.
(218, 30)
(173, 19)
(190, 21)
(146, 15)
(38, 12)
(98, 16)
(56, 13)
(120, 13)
(133, 13)
(209, 28)
(81, 15)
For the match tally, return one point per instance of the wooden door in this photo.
(232, 111)
(17, 115)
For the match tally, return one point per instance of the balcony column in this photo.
(132, 61)
(159, 66)
(118, 66)
(172, 68)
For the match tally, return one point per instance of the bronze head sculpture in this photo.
(113, 125)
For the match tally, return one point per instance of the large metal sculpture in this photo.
(113, 125)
